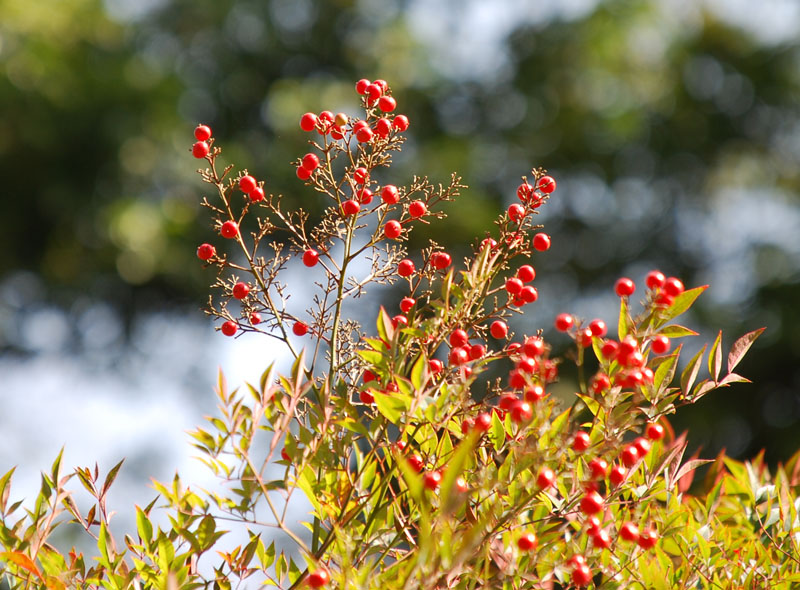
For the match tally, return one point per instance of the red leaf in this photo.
(741, 346)
(22, 561)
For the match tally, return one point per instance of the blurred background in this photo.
(672, 127)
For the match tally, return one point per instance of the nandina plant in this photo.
(421, 467)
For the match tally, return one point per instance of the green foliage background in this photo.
(670, 130)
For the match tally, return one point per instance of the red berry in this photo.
(326, 122)
(415, 461)
(516, 379)
(534, 346)
(617, 475)
(229, 229)
(383, 127)
(384, 85)
(576, 560)
(458, 338)
(255, 318)
(647, 538)
(527, 364)
(440, 260)
(601, 539)
(521, 412)
(373, 91)
(400, 123)
(417, 209)
(364, 134)
(365, 196)
(458, 356)
(654, 279)
(368, 376)
(541, 242)
(655, 431)
(564, 322)
(598, 328)
(581, 441)
(526, 273)
(476, 351)
(432, 480)
(642, 445)
(598, 467)
(600, 383)
(318, 578)
(247, 184)
(240, 290)
(461, 485)
(527, 542)
(350, 207)
(406, 304)
(629, 532)
(361, 175)
(405, 268)
(673, 287)
(483, 422)
(308, 122)
(624, 287)
(546, 184)
(514, 286)
(229, 328)
(257, 194)
(534, 394)
(660, 344)
(399, 320)
(389, 194)
(582, 575)
(498, 329)
(488, 243)
(310, 161)
(202, 133)
(610, 350)
(435, 366)
(629, 455)
(303, 173)
(200, 149)
(592, 503)
(310, 258)
(584, 337)
(206, 251)
(524, 192)
(361, 85)
(387, 104)
(529, 294)
(545, 478)
(516, 212)
(467, 424)
(300, 328)
(507, 401)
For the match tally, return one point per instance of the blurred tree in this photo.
(672, 131)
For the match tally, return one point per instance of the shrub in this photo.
(422, 467)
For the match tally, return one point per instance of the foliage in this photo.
(421, 469)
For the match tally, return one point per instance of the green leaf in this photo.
(418, 372)
(666, 370)
(683, 302)
(689, 374)
(715, 357)
(392, 406)
(741, 346)
(455, 467)
(112, 475)
(676, 331)
(281, 567)
(497, 433)
(373, 357)
(144, 526)
(624, 318)
(384, 325)
(5, 489)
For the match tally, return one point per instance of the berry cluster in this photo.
(437, 433)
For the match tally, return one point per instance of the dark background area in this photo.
(673, 130)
